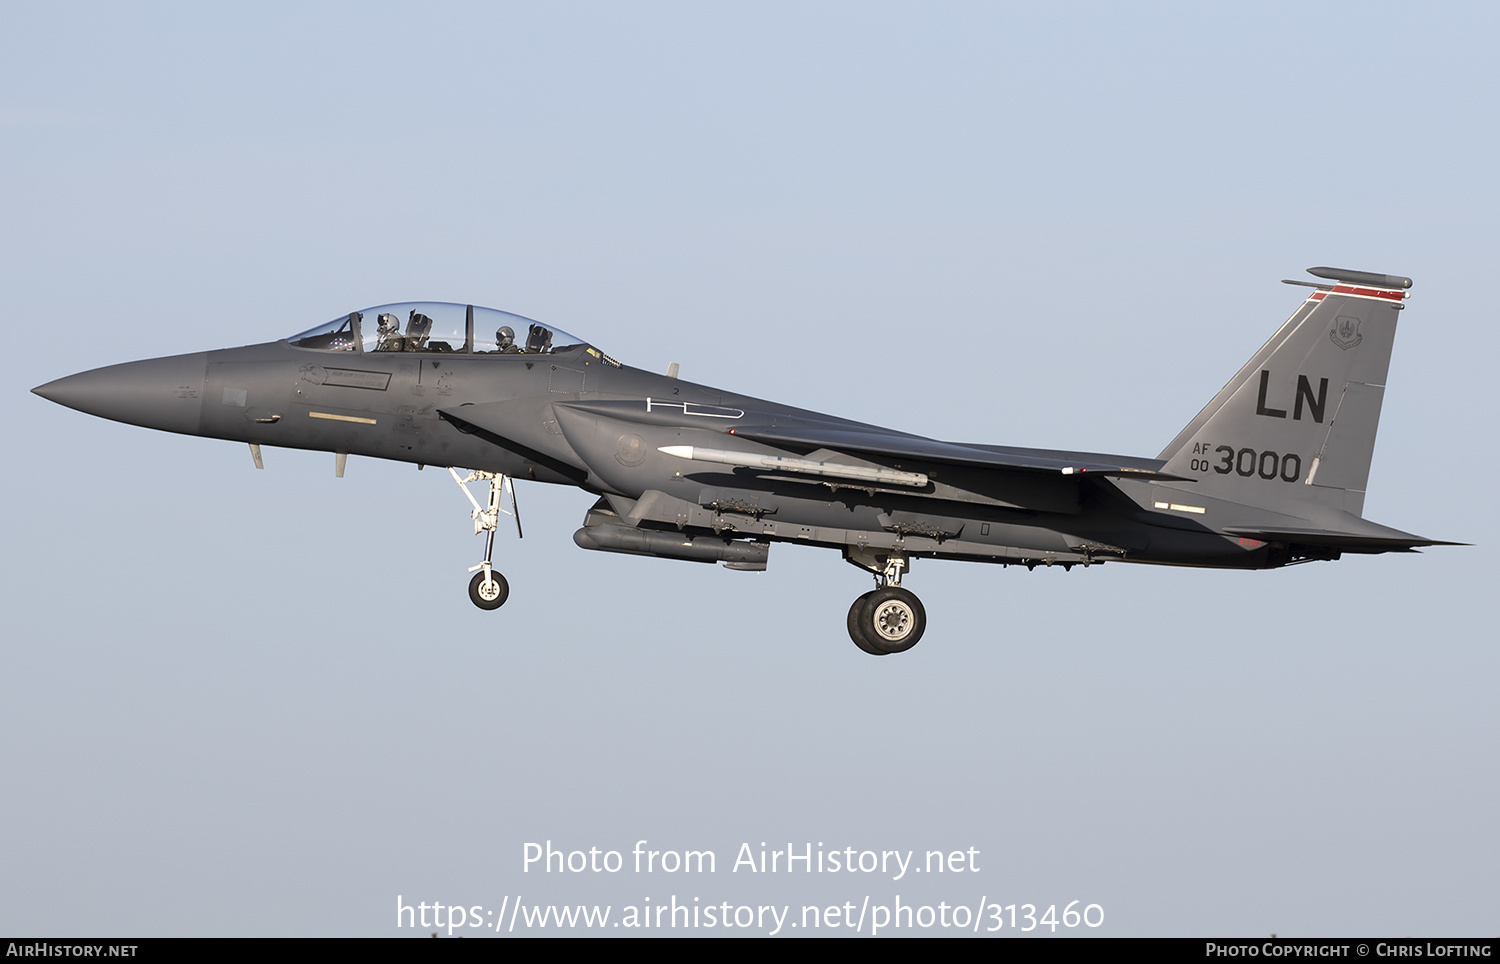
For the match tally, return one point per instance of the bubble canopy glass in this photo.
(436, 326)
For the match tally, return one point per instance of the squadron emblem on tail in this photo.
(1345, 333)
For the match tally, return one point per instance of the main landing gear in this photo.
(887, 619)
(488, 589)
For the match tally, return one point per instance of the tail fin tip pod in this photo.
(1393, 282)
(1294, 430)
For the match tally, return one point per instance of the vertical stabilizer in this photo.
(1296, 427)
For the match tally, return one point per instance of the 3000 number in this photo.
(1247, 462)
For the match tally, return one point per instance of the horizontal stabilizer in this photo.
(1375, 539)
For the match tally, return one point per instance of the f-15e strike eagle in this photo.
(1272, 472)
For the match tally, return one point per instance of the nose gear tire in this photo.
(491, 595)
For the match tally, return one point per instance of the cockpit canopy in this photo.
(435, 326)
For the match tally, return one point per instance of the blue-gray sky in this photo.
(240, 702)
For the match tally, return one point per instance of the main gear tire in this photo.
(893, 619)
(857, 623)
(491, 594)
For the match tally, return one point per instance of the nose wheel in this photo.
(488, 589)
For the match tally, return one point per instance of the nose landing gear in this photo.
(488, 589)
(887, 619)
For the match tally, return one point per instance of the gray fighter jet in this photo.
(1271, 473)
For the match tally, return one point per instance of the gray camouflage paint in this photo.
(1232, 490)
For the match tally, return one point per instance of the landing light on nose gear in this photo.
(488, 589)
(887, 619)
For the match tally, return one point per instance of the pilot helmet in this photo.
(505, 337)
(389, 323)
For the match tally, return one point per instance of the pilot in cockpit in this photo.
(539, 340)
(389, 333)
(505, 341)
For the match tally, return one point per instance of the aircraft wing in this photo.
(803, 434)
(896, 445)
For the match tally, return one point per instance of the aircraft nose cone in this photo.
(160, 393)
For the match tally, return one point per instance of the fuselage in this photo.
(574, 416)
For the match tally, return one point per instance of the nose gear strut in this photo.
(488, 589)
